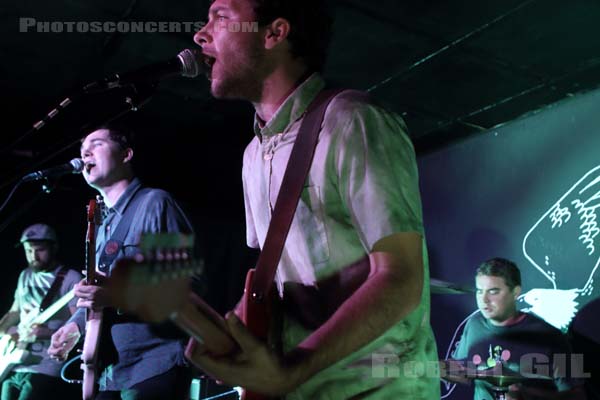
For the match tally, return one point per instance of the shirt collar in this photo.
(292, 108)
(126, 197)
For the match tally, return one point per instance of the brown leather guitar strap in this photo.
(289, 194)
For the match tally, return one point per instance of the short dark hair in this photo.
(503, 268)
(118, 133)
(311, 22)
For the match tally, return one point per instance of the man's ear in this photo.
(517, 291)
(276, 32)
(128, 155)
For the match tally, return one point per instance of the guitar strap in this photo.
(114, 244)
(51, 293)
(289, 194)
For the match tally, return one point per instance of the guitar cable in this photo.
(64, 368)
(237, 390)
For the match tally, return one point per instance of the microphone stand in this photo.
(25, 207)
(134, 99)
(90, 88)
(41, 123)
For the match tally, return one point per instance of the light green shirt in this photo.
(362, 186)
(32, 287)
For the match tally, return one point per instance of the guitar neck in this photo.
(90, 261)
(93, 219)
(200, 321)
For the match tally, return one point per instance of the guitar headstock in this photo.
(91, 211)
(163, 241)
(155, 283)
(94, 211)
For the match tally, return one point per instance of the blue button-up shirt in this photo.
(140, 352)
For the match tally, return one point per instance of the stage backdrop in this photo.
(528, 191)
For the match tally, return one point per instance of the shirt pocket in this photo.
(310, 222)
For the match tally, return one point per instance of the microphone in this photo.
(188, 63)
(75, 166)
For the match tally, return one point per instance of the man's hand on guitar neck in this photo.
(90, 296)
(63, 341)
(34, 332)
(255, 366)
(13, 332)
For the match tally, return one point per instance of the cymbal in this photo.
(502, 376)
(442, 287)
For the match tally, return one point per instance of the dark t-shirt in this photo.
(531, 346)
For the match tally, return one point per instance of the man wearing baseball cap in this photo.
(39, 233)
(40, 284)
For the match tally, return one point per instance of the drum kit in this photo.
(438, 286)
(501, 377)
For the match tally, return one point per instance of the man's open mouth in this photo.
(208, 65)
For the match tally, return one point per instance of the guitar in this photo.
(255, 313)
(93, 325)
(155, 287)
(12, 353)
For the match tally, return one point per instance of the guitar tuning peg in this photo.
(159, 254)
(169, 254)
(177, 254)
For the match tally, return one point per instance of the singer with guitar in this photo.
(353, 274)
(136, 360)
(43, 302)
